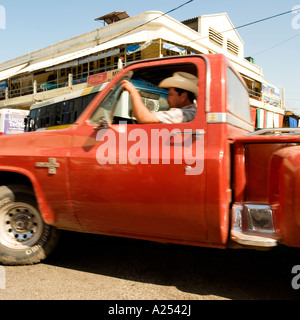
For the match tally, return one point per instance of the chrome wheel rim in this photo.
(21, 225)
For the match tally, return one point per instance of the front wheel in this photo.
(24, 237)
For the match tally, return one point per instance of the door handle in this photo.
(196, 133)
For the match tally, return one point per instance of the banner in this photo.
(269, 119)
(260, 118)
(293, 122)
(172, 47)
(99, 56)
(130, 49)
(13, 123)
(270, 95)
(2, 86)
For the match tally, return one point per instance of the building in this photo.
(94, 57)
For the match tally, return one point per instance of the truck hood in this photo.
(33, 143)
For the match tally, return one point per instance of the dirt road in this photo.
(90, 267)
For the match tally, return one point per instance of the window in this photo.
(80, 71)
(85, 69)
(238, 98)
(91, 68)
(116, 59)
(102, 65)
(78, 104)
(116, 106)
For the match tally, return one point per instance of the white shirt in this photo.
(177, 115)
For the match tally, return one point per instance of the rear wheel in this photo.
(24, 237)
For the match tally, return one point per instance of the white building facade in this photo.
(94, 57)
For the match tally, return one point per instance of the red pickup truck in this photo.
(209, 182)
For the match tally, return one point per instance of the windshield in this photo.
(116, 106)
(108, 104)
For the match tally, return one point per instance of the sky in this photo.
(27, 26)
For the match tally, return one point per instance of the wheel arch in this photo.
(27, 180)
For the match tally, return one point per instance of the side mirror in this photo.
(105, 122)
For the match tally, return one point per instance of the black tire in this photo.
(24, 237)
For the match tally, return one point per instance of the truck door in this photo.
(142, 180)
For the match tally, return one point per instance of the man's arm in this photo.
(140, 111)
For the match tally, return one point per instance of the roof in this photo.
(224, 14)
(190, 20)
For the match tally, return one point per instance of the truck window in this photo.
(238, 99)
(153, 97)
(117, 103)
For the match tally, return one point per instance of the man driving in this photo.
(183, 90)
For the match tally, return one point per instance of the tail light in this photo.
(252, 224)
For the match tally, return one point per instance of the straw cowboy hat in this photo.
(181, 80)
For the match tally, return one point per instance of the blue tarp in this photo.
(293, 123)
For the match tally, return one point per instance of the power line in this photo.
(249, 24)
(236, 28)
(267, 18)
(276, 45)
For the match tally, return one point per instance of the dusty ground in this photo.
(89, 267)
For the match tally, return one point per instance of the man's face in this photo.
(175, 100)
